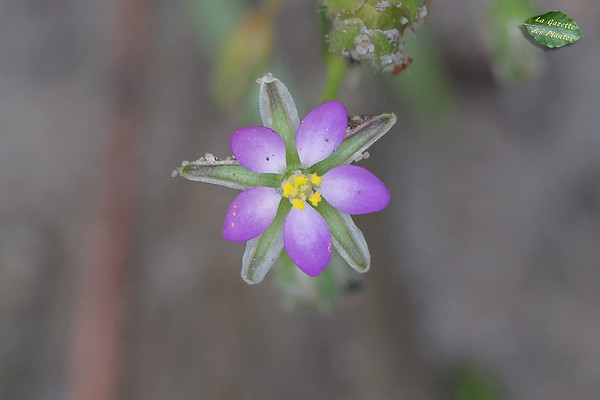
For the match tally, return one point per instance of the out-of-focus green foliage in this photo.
(213, 20)
(323, 291)
(513, 58)
(471, 382)
(239, 43)
(372, 31)
(425, 90)
(244, 55)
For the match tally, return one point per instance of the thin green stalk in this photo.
(336, 72)
(335, 64)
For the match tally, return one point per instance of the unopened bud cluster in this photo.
(371, 30)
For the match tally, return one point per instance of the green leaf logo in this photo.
(553, 29)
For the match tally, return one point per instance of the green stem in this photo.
(335, 64)
(336, 72)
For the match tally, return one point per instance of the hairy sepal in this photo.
(357, 140)
(348, 240)
(227, 173)
(264, 250)
(278, 112)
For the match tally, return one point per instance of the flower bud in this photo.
(371, 30)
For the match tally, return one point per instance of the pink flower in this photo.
(348, 188)
(298, 187)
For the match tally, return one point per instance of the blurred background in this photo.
(115, 281)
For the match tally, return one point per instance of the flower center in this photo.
(300, 187)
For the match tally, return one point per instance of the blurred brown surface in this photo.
(489, 251)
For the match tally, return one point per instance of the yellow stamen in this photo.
(299, 204)
(300, 180)
(315, 198)
(298, 188)
(288, 189)
(316, 179)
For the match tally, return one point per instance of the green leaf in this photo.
(262, 251)
(553, 29)
(227, 173)
(278, 112)
(356, 142)
(348, 240)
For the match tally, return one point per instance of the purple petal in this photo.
(259, 149)
(321, 132)
(250, 213)
(354, 190)
(307, 240)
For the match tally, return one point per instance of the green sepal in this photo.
(348, 240)
(414, 7)
(278, 112)
(343, 39)
(382, 44)
(553, 29)
(227, 173)
(263, 251)
(356, 142)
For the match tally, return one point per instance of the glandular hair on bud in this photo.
(372, 31)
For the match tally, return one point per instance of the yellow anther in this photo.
(299, 204)
(300, 180)
(288, 189)
(298, 188)
(316, 179)
(315, 198)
